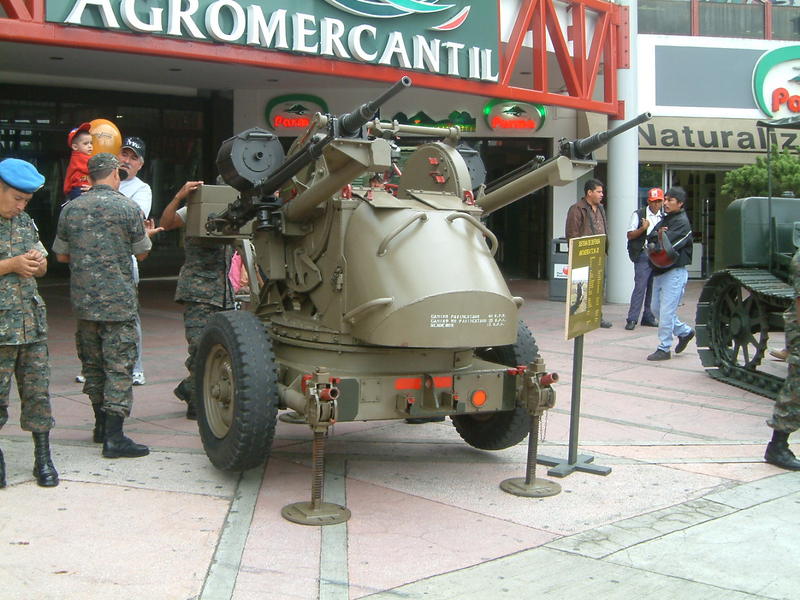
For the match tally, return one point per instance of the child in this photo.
(76, 180)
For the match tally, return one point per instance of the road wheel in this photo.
(500, 430)
(236, 385)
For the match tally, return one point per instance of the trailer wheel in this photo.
(236, 391)
(500, 430)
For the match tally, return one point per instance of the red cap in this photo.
(655, 194)
(74, 132)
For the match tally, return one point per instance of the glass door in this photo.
(705, 211)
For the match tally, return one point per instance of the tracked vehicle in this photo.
(743, 304)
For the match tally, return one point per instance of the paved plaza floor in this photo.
(689, 510)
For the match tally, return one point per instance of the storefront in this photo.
(707, 94)
(185, 76)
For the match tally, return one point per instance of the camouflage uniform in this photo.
(99, 231)
(786, 414)
(23, 331)
(203, 290)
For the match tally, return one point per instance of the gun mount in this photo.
(366, 301)
(251, 163)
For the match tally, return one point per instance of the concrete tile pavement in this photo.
(689, 508)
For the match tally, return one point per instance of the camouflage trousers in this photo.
(30, 365)
(786, 413)
(195, 317)
(107, 350)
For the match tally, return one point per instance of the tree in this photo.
(751, 180)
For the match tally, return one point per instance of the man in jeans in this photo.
(669, 247)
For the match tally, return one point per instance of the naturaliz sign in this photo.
(443, 37)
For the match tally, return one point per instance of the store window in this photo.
(181, 143)
(650, 176)
(523, 227)
(741, 20)
(786, 20)
(673, 17)
(705, 211)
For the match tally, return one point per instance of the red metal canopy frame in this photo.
(605, 53)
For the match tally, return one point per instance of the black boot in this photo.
(182, 393)
(99, 432)
(43, 469)
(779, 454)
(116, 445)
(2, 471)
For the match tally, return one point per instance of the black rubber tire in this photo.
(247, 438)
(500, 430)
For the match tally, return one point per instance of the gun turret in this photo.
(573, 160)
(258, 179)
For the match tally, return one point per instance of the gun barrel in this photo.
(588, 145)
(350, 123)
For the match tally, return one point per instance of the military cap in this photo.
(21, 175)
(102, 162)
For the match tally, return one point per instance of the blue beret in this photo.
(21, 175)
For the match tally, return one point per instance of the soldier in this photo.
(786, 413)
(202, 288)
(23, 328)
(97, 234)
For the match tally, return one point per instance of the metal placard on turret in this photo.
(587, 263)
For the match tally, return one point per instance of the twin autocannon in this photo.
(367, 301)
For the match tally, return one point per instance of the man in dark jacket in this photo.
(670, 250)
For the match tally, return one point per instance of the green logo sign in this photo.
(509, 114)
(776, 82)
(451, 37)
(457, 118)
(293, 111)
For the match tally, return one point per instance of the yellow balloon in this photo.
(105, 137)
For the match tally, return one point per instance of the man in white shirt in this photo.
(642, 222)
(131, 158)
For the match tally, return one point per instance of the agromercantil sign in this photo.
(451, 38)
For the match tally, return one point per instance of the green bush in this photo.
(751, 180)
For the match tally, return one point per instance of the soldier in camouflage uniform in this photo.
(202, 287)
(97, 234)
(786, 414)
(23, 317)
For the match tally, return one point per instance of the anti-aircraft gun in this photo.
(366, 304)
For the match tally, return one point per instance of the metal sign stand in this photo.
(574, 462)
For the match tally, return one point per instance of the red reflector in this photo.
(408, 383)
(443, 382)
(478, 398)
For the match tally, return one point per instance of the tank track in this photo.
(735, 313)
